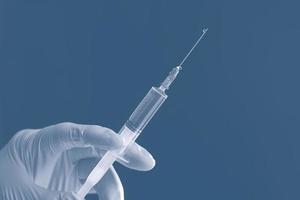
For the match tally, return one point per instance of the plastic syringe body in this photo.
(131, 130)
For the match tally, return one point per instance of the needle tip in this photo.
(196, 43)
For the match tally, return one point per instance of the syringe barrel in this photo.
(130, 131)
(146, 110)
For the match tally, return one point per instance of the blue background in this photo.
(230, 129)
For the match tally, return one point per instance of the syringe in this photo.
(135, 125)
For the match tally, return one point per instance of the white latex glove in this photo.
(51, 163)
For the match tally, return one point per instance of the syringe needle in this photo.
(196, 43)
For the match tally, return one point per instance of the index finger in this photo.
(64, 136)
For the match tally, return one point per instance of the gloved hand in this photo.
(51, 163)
